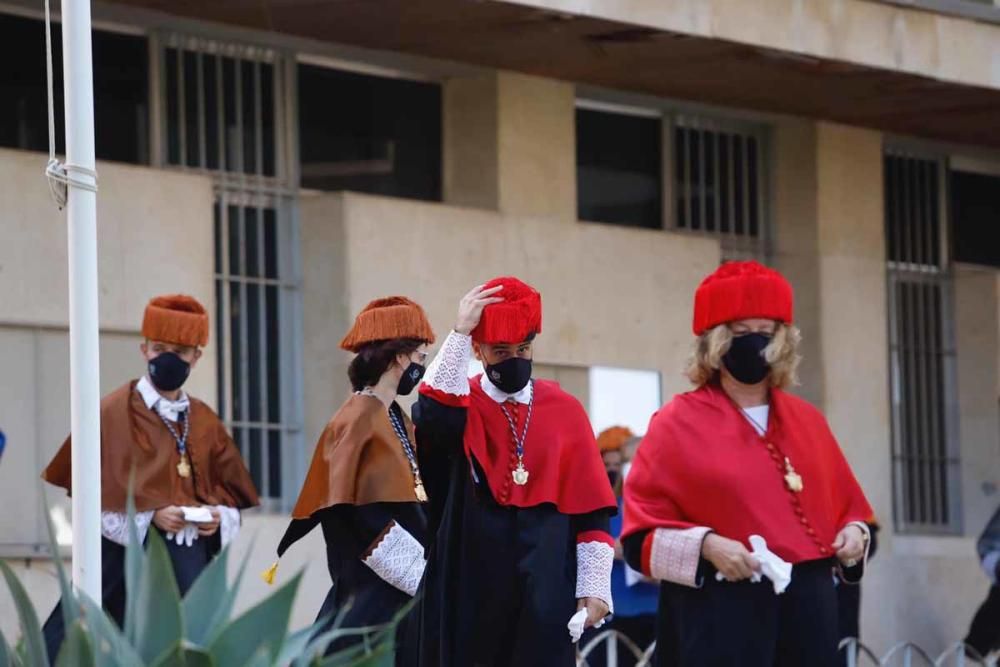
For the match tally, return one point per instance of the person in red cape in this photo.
(519, 498)
(190, 480)
(738, 457)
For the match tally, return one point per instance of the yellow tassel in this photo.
(268, 574)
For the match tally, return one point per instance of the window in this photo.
(717, 179)
(224, 114)
(921, 346)
(618, 169)
(975, 215)
(706, 174)
(121, 89)
(369, 134)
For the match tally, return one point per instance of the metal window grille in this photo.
(718, 182)
(222, 110)
(921, 345)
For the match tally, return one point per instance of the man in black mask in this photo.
(190, 479)
(520, 500)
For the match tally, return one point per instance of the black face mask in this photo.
(511, 375)
(168, 372)
(410, 379)
(745, 359)
(613, 477)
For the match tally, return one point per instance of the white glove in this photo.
(185, 536)
(771, 566)
(576, 625)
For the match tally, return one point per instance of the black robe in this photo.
(349, 532)
(500, 583)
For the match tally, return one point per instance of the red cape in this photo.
(703, 464)
(560, 452)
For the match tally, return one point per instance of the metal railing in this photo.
(856, 654)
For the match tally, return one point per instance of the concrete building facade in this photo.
(611, 153)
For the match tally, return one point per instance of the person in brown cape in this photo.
(190, 481)
(364, 487)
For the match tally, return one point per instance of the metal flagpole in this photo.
(83, 315)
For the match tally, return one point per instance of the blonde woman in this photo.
(739, 457)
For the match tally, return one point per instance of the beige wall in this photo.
(865, 32)
(510, 144)
(636, 316)
(154, 236)
(977, 337)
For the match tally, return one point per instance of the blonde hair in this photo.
(782, 355)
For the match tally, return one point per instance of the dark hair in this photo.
(375, 358)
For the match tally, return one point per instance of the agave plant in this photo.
(161, 629)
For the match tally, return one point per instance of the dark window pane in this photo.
(220, 335)
(211, 68)
(711, 181)
(250, 236)
(267, 116)
(235, 225)
(912, 196)
(254, 458)
(120, 91)
(191, 136)
(369, 134)
(173, 106)
(697, 185)
(232, 139)
(250, 119)
(975, 212)
(739, 184)
(753, 203)
(274, 464)
(725, 183)
(273, 356)
(681, 176)
(270, 243)
(255, 362)
(217, 227)
(618, 169)
(236, 349)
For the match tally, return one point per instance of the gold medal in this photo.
(421, 493)
(519, 474)
(184, 468)
(792, 479)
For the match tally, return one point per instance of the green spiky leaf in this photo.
(31, 632)
(6, 654)
(111, 648)
(158, 624)
(77, 650)
(68, 602)
(263, 626)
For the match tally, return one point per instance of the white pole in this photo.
(83, 316)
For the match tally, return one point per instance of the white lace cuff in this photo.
(114, 526)
(594, 561)
(229, 523)
(675, 553)
(398, 558)
(449, 372)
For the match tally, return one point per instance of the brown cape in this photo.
(358, 460)
(134, 435)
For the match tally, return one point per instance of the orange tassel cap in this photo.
(388, 319)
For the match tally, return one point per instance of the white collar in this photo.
(500, 396)
(165, 407)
